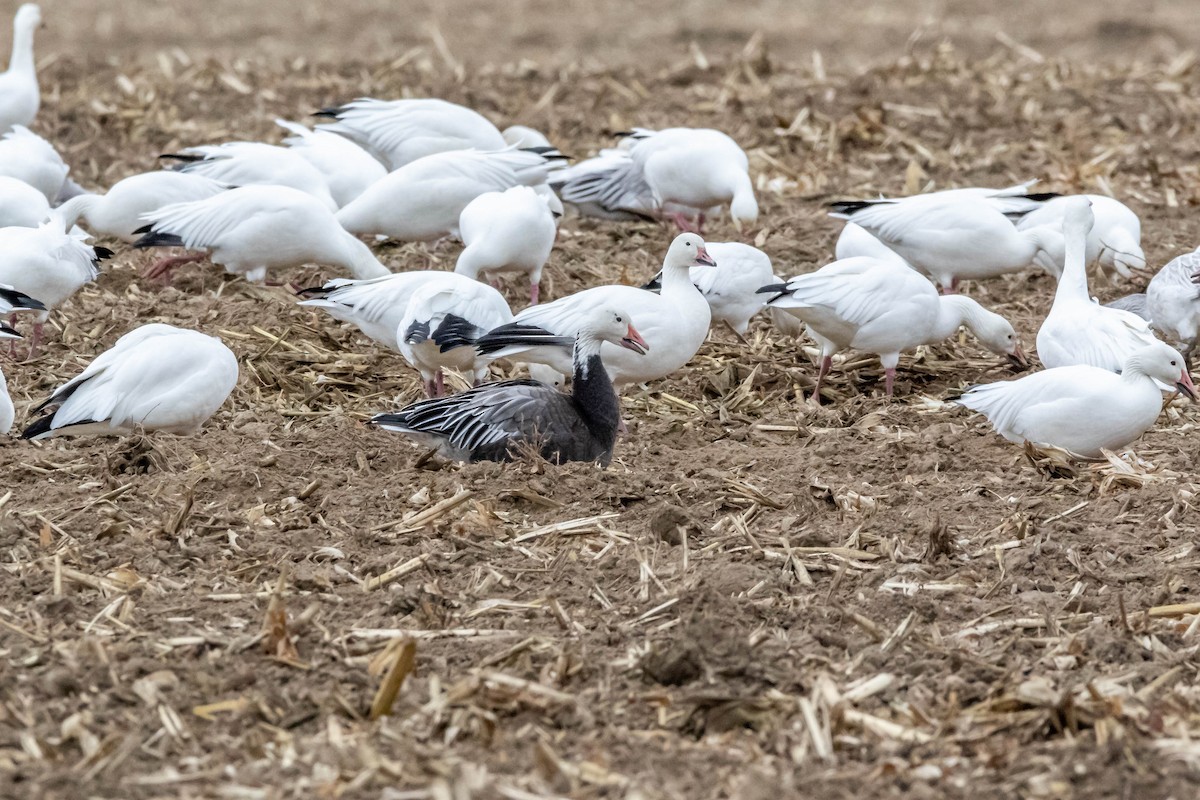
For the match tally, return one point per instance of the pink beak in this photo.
(1185, 385)
(634, 341)
(703, 258)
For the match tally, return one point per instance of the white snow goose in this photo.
(19, 96)
(254, 164)
(28, 157)
(1078, 330)
(680, 173)
(883, 307)
(524, 136)
(509, 231)
(1083, 409)
(8, 414)
(155, 378)
(251, 229)
(21, 205)
(348, 168)
(47, 264)
(732, 288)
(956, 235)
(1115, 240)
(424, 200)
(674, 322)
(398, 132)
(496, 421)
(1172, 302)
(118, 213)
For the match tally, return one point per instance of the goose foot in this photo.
(162, 268)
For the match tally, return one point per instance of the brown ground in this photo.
(760, 598)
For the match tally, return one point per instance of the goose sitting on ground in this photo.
(251, 229)
(883, 307)
(677, 172)
(118, 213)
(1115, 240)
(19, 96)
(398, 132)
(28, 157)
(956, 235)
(1083, 409)
(732, 288)
(674, 322)
(254, 164)
(1078, 330)
(47, 264)
(509, 231)
(493, 422)
(348, 169)
(155, 378)
(424, 200)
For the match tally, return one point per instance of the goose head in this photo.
(687, 251)
(28, 17)
(1077, 216)
(1163, 362)
(996, 334)
(614, 326)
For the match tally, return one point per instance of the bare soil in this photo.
(761, 597)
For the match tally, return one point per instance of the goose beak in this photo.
(1185, 385)
(634, 341)
(704, 259)
(1017, 357)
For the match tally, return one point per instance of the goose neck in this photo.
(1072, 284)
(954, 311)
(22, 52)
(593, 391)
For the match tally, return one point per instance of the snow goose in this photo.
(732, 288)
(1082, 408)
(1115, 240)
(255, 164)
(251, 229)
(8, 414)
(524, 136)
(1078, 330)
(47, 264)
(348, 169)
(28, 157)
(509, 231)
(12, 302)
(118, 213)
(21, 205)
(398, 132)
(19, 97)
(155, 378)
(1173, 301)
(423, 200)
(594, 169)
(496, 421)
(1134, 304)
(883, 307)
(674, 322)
(677, 172)
(375, 306)
(954, 235)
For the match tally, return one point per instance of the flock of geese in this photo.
(427, 169)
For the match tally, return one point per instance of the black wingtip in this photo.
(1041, 197)
(454, 332)
(21, 300)
(313, 292)
(153, 238)
(9, 331)
(103, 252)
(516, 333)
(38, 428)
(186, 158)
(654, 284)
(417, 332)
(330, 112)
(549, 153)
(389, 420)
(852, 206)
(774, 288)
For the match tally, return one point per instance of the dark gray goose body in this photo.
(499, 421)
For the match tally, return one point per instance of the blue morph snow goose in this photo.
(155, 378)
(493, 422)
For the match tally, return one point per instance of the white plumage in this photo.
(1082, 408)
(251, 229)
(510, 231)
(19, 96)
(883, 307)
(1115, 240)
(8, 414)
(28, 157)
(155, 378)
(347, 167)
(21, 205)
(256, 164)
(120, 211)
(398, 132)
(424, 200)
(732, 288)
(1173, 301)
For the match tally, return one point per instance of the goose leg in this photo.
(952, 288)
(440, 384)
(890, 372)
(826, 364)
(430, 388)
(533, 294)
(35, 340)
(684, 224)
(162, 268)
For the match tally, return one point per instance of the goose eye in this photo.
(620, 320)
(1172, 363)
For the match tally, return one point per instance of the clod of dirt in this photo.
(673, 664)
(669, 523)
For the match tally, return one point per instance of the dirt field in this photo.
(760, 598)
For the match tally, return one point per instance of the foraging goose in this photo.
(8, 413)
(47, 264)
(732, 288)
(1115, 240)
(155, 378)
(424, 200)
(1078, 330)
(509, 231)
(1173, 301)
(674, 322)
(854, 240)
(398, 132)
(251, 229)
(679, 173)
(118, 213)
(594, 169)
(28, 157)
(348, 169)
(493, 422)
(883, 307)
(21, 205)
(254, 164)
(19, 96)
(955, 235)
(1083, 408)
